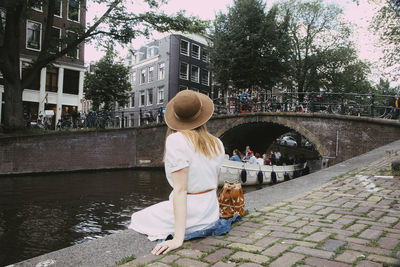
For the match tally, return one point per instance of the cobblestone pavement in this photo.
(354, 220)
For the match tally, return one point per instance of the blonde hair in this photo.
(203, 141)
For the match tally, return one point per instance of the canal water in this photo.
(44, 213)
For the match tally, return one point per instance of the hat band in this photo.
(195, 116)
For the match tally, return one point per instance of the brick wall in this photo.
(144, 146)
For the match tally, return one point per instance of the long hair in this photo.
(203, 142)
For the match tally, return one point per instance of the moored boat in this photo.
(254, 174)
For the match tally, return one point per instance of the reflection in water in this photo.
(40, 214)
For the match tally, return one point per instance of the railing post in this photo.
(312, 104)
(285, 102)
(371, 113)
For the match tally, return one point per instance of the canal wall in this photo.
(335, 137)
(108, 250)
(82, 150)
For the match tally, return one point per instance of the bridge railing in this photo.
(371, 105)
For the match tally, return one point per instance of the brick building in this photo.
(60, 87)
(159, 70)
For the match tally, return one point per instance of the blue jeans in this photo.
(220, 227)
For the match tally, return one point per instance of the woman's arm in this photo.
(179, 197)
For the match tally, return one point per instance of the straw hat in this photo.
(188, 110)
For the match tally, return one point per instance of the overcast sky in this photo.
(360, 15)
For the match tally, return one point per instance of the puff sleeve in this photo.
(176, 153)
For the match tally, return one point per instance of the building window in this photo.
(37, 5)
(160, 95)
(74, 53)
(55, 39)
(133, 78)
(204, 56)
(131, 120)
(149, 93)
(184, 47)
(161, 71)
(143, 76)
(141, 100)
(58, 9)
(33, 35)
(71, 82)
(151, 74)
(195, 73)
(52, 79)
(3, 19)
(183, 87)
(73, 10)
(2, 25)
(205, 77)
(184, 71)
(35, 84)
(132, 102)
(195, 51)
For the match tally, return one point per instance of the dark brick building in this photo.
(58, 88)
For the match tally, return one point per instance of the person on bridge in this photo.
(193, 159)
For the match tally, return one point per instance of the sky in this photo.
(359, 14)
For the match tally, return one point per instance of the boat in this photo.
(250, 174)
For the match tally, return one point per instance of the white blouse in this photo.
(157, 221)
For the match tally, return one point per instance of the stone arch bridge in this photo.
(335, 137)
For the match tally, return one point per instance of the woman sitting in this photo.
(193, 159)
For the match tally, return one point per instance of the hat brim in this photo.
(206, 111)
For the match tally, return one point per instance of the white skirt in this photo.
(157, 221)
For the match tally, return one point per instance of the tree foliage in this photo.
(249, 46)
(386, 24)
(118, 23)
(108, 83)
(317, 36)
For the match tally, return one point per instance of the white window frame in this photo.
(38, 10)
(145, 76)
(142, 93)
(208, 77)
(158, 94)
(132, 103)
(159, 72)
(205, 58)
(26, 36)
(133, 78)
(192, 52)
(183, 87)
(77, 48)
(198, 74)
(3, 18)
(61, 9)
(79, 12)
(59, 48)
(187, 47)
(152, 74)
(187, 71)
(148, 98)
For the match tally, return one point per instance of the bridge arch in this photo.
(279, 122)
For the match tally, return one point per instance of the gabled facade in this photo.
(159, 70)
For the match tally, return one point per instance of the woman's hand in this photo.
(166, 246)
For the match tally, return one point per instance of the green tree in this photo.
(315, 29)
(117, 23)
(339, 70)
(386, 24)
(248, 46)
(108, 83)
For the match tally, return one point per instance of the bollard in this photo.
(396, 167)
